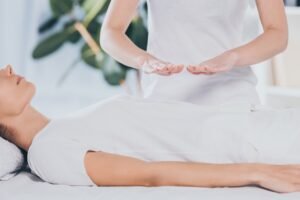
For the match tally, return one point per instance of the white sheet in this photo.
(26, 186)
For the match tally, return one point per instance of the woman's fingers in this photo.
(281, 178)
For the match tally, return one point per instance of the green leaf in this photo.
(48, 24)
(89, 57)
(113, 73)
(74, 37)
(130, 30)
(88, 5)
(143, 13)
(81, 2)
(61, 7)
(92, 9)
(94, 28)
(50, 44)
(104, 8)
(139, 33)
(126, 67)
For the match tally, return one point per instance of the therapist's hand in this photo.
(222, 63)
(153, 65)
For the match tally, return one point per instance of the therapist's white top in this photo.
(162, 130)
(190, 32)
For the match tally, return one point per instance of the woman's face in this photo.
(15, 92)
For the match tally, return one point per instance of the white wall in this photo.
(19, 20)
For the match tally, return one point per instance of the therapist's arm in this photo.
(115, 42)
(107, 169)
(272, 41)
(113, 38)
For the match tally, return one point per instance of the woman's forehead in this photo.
(3, 68)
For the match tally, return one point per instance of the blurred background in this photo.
(54, 44)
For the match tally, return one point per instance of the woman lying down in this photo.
(127, 141)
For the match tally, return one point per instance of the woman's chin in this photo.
(30, 85)
(31, 90)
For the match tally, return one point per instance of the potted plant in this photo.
(84, 20)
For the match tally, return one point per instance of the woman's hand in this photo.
(279, 178)
(154, 65)
(108, 170)
(221, 63)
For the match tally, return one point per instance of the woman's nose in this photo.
(9, 70)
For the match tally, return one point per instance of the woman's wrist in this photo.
(255, 173)
(260, 173)
(245, 174)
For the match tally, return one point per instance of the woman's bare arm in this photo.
(272, 41)
(107, 169)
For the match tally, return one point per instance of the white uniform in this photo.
(190, 32)
(154, 131)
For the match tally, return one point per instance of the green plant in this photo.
(88, 28)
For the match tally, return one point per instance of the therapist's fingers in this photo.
(179, 68)
(169, 69)
(196, 69)
(173, 69)
(161, 68)
(204, 68)
(222, 69)
(176, 69)
(191, 69)
(164, 70)
(212, 70)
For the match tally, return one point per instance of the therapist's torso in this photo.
(190, 32)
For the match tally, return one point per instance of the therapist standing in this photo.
(195, 51)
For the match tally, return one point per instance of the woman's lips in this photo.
(19, 79)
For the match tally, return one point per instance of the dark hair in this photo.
(5, 132)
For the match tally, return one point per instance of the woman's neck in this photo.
(25, 126)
